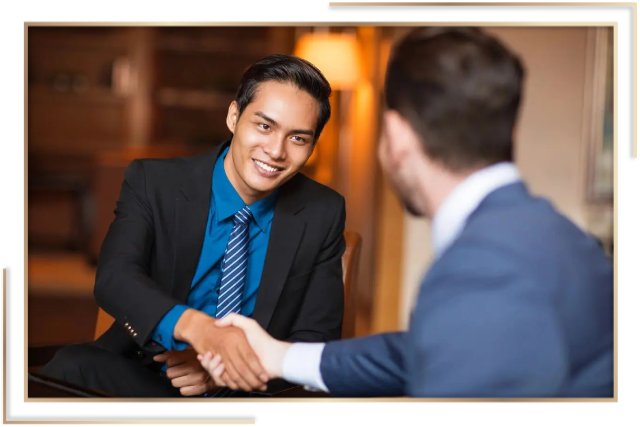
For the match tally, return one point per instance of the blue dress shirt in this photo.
(205, 287)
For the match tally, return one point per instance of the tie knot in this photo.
(243, 216)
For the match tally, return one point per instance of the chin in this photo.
(258, 188)
(408, 203)
(258, 185)
(413, 211)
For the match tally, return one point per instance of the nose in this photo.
(276, 148)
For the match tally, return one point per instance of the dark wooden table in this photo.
(43, 386)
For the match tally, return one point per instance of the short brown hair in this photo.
(460, 90)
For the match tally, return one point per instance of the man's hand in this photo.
(270, 351)
(185, 372)
(242, 367)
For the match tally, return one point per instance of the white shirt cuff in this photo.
(301, 365)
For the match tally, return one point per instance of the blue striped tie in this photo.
(234, 266)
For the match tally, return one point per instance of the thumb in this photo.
(234, 319)
(229, 320)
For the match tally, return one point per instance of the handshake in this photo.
(233, 352)
(270, 353)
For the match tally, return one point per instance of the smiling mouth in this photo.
(266, 167)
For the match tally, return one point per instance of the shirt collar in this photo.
(228, 201)
(451, 217)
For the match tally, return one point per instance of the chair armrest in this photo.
(41, 355)
(43, 386)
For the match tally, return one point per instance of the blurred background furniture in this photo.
(108, 175)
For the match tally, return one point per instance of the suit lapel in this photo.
(287, 230)
(192, 213)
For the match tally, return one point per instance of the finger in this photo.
(217, 371)
(246, 379)
(162, 357)
(184, 369)
(177, 371)
(226, 320)
(194, 390)
(215, 367)
(238, 376)
(235, 320)
(231, 375)
(175, 361)
(227, 381)
(206, 361)
(195, 378)
(217, 376)
(206, 357)
(252, 361)
(213, 364)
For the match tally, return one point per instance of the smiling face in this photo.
(272, 139)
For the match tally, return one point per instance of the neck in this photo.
(435, 184)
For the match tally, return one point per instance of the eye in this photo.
(264, 126)
(297, 138)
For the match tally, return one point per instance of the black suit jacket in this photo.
(151, 251)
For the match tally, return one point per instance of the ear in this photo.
(232, 116)
(402, 140)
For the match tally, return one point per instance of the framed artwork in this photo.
(599, 115)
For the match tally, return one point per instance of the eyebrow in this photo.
(276, 124)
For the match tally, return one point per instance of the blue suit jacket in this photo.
(520, 305)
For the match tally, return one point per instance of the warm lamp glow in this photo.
(335, 55)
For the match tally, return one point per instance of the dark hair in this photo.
(460, 90)
(287, 69)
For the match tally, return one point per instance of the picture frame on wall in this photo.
(599, 115)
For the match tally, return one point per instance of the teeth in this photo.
(265, 166)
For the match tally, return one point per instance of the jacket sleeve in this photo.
(123, 286)
(365, 367)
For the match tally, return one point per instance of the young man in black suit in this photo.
(235, 230)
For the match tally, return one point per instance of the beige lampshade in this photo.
(335, 55)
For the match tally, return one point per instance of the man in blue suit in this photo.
(518, 301)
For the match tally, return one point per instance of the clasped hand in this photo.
(269, 350)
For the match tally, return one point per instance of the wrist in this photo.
(281, 348)
(188, 326)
